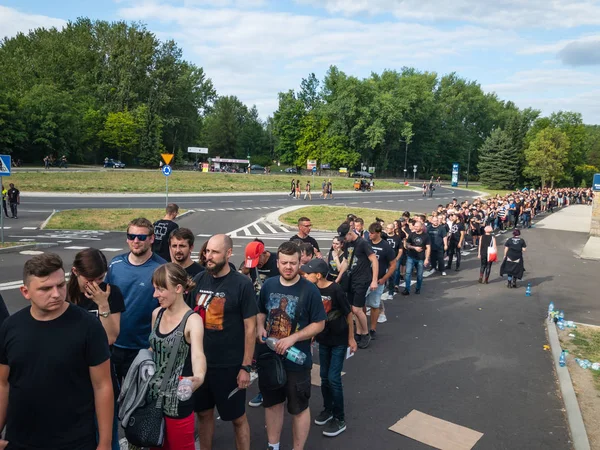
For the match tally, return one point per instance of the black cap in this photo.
(315, 265)
(343, 229)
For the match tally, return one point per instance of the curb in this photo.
(45, 222)
(273, 217)
(574, 418)
(19, 248)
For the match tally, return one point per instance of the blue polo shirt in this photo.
(135, 283)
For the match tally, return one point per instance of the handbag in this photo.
(492, 252)
(146, 426)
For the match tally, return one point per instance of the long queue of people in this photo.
(94, 352)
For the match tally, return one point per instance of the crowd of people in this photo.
(91, 352)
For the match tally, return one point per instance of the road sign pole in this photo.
(167, 191)
(2, 218)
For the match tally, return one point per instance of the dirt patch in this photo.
(585, 382)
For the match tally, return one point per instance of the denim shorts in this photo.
(374, 297)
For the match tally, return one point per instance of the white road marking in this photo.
(271, 229)
(75, 247)
(110, 249)
(64, 242)
(26, 240)
(29, 228)
(247, 201)
(246, 231)
(6, 228)
(260, 231)
(31, 252)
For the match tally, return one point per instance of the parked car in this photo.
(113, 163)
(257, 168)
(362, 174)
(291, 170)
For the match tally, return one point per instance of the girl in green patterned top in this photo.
(170, 283)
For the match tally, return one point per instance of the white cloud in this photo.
(13, 22)
(555, 47)
(503, 13)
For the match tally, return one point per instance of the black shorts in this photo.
(218, 384)
(357, 295)
(296, 390)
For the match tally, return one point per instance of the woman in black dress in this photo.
(512, 265)
(487, 247)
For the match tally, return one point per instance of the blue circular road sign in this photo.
(166, 170)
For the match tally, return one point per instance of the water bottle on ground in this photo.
(184, 389)
(561, 315)
(528, 290)
(561, 325)
(550, 311)
(292, 354)
(596, 366)
(562, 361)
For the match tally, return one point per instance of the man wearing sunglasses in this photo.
(132, 273)
(304, 227)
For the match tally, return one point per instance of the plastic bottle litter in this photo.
(561, 315)
(561, 325)
(528, 290)
(550, 311)
(571, 335)
(292, 354)
(583, 363)
(184, 389)
(562, 361)
(570, 324)
(596, 366)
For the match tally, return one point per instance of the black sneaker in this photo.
(323, 417)
(357, 338)
(405, 292)
(365, 340)
(334, 428)
(373, 334)
(417, 291)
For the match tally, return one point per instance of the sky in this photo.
(543, 54)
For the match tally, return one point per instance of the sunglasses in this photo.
(141, 237)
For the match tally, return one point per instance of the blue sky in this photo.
(538, 53)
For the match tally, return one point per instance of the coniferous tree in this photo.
(498, 161)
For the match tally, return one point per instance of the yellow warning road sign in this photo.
(167, 157)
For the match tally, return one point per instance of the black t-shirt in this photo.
(280, 304)
(436, 236)
(358, 253)
(307, 240)
(337, 308)
(194, 269)
(455, 229)
(116, 302)
(3, 311)
(231, 299)
(395, 242)
(268, 270)
(417, 240)
(13, 195)
(162, 230)
(515, 246)
(385, 255)
(334, 270)
(51, 399)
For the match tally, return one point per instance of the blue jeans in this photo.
(332, 363)
(410, 263)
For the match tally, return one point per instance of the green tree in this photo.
(286, 126)
(121, 131)
(499, 161)
(547, 155)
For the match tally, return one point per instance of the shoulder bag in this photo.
(146, 426)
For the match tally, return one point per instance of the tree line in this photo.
(96, 89)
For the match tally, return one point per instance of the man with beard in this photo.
(226, 301)
(181, 244)
(291, 311)
(132, 273)
(304, 226)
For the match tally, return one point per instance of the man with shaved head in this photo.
(226, 301)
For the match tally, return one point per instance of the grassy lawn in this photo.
(179, 181)
(585, 345)
(13, 244)
(330, 217)
(101, 219)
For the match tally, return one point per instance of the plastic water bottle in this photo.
(562, 361)
(528, 290)
(550, 311)
(561, 325)
(596, 366)
(184, 389)
(561, 315)
(292, 354)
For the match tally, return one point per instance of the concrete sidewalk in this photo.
(578, 219)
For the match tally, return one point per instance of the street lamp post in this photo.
(405, 156)
(468, 167)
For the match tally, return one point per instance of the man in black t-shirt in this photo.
(363, 269)
(337, 336)
(304, 226)
(291, 311)
(456, 241)
(55, 376)
(181, 245)
(14, 199)
(439, 244)
(162, 230)
(227, 303)
(418, 248)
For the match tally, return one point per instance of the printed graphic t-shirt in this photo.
(280, 304)
(230, 300)
(337, 309)
(361, 265)
(162, 230)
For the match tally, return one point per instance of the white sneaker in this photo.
(443, 274)
(382, 318)
(385, 296)
(368, 313)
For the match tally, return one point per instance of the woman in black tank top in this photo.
(487, 245)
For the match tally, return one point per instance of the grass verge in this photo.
(101, 219)
(13, 244)
(585, 345)
(328, 218)
(179, 181)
